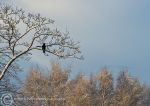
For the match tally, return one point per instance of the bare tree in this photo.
(105, 92)
(35, 86)
(60, 90)
(22, 33)
(51, 87)
(57, 81)
(145, 96)
(79, 92)
(128, 91)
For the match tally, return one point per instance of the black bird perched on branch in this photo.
(44, 47)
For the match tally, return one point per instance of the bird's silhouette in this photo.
(44, 47)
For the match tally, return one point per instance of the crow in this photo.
(44, 47)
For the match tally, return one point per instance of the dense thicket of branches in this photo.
(58, 89)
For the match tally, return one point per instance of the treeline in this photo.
(57, 88)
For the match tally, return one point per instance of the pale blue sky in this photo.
(113, 33)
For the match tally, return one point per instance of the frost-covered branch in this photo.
(21, 33)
